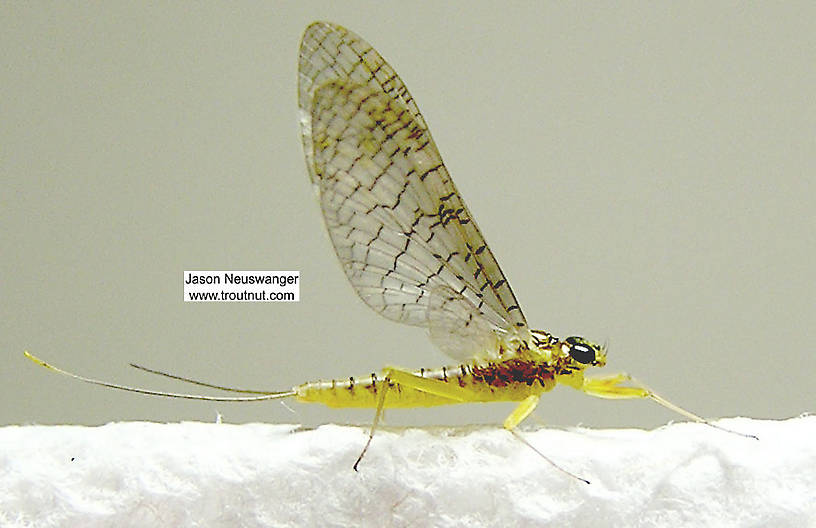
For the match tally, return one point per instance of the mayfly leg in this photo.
(524, 409)
(609, 387)
(454, 393)
(679, 410)
(409, 380)
(386, 384)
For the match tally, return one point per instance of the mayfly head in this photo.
(583, 353)
(574, 353)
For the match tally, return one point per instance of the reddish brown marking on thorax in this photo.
(513, 371)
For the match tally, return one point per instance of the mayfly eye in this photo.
(580, 351)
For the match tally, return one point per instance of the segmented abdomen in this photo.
(510, 381)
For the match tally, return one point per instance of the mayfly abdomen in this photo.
(364, 393)
(475, 385)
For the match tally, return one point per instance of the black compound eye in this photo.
(580, 350)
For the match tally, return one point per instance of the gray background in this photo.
(644, 175)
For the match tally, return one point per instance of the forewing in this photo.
(398, 225)
(330, 53)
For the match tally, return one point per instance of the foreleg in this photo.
(609, 387)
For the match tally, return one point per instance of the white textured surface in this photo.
(195, 474)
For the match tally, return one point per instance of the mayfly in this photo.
(413, 253)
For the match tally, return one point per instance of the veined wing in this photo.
(399, 227)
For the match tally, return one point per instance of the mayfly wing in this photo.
(457, 328)
(405, 238)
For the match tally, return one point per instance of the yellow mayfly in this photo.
(412, 251)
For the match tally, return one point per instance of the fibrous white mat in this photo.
(196, 474)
